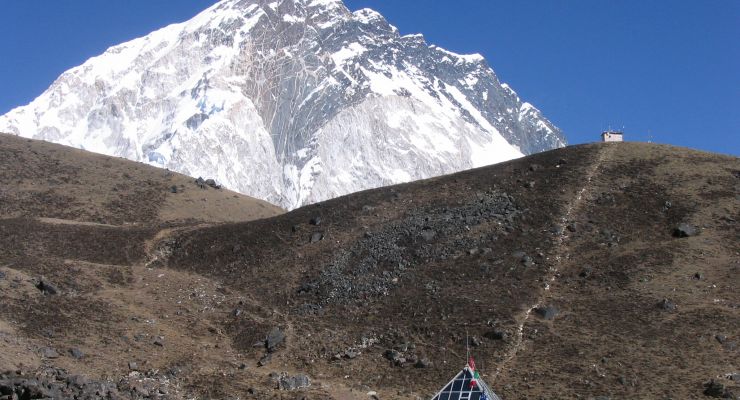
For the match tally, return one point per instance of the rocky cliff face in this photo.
(291, 101)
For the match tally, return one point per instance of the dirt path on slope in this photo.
(561, 253)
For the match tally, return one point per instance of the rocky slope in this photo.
(596, 271)
(291, 101)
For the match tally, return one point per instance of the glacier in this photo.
(291, 101)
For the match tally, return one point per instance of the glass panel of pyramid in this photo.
(460, 388)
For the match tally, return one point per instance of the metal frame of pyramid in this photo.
(459, 388)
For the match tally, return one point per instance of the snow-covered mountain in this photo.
(290, 101)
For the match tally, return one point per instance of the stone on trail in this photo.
(547, 312)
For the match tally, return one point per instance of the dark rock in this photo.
(721, 338)
(173, 189)
(242, 366)
(48, 352)
(286, 382)
(78, 381)
(402, 347)
(46, 287)
(698, 276)
(586, 272)
(393, 355)
(572, 227)
(316, 237)
(315, 221)
(535, 167)
(423, 363)
(496, 335)
(76, 353)
(351, 353)
(274, 338)
(527, 261)
(201, 183)
(159, 341)
(685, 230)
(2, 275)
(714, 389)
(529, 184)
(610, 237)
(547, 312)
(557, 230)
(265, 360)
(212, 183)
(667, 305)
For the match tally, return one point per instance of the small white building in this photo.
(612, 136)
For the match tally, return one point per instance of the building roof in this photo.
(461, 388)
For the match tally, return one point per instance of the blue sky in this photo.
(666, 70)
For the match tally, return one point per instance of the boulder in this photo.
(714, 389)
(265, 360)
(586, 272)
(393, 355)
(496, 334)
(667, 305)
(315, 221)
(295, 382)
(685, 230)
(76, 353)
(48, 352)
(423, 363)
(46, 287)
(274, 339)
(351, 353)
(316, 237)
(547, 312)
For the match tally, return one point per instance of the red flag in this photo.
(471, 363)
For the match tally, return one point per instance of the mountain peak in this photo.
(291, 101)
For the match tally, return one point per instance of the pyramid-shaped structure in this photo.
(461, 387)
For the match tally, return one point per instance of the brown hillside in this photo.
(59, 183)
(564, 268)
